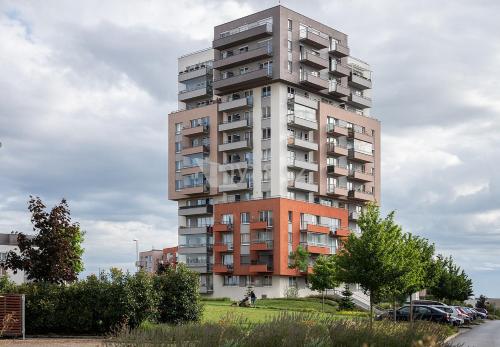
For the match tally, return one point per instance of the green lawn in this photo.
(266, 309)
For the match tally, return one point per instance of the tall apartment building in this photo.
(274, 147)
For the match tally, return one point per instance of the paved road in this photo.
(484, 335)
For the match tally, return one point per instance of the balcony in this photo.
(194, 150)
(236, 145)
(302, 165)
(303, 123)
(198, 188)
(261, 245)
(361, 195)
(359, 101)
(361, 176)
(360, 135)
(299, 143)
(223, 247)
(246, 80)
(195, 210)
(260, 267)
(336, 130)
(317, 249)
(194, 94)
(315, 228)
(313, 39)
(236, 104)
(189, 230)
(339, 50)
(313, 81)
(340, 70)
(192, 168)
(222, 227)
(354, 216)
(235, 124)
(313, 60)
(303, 186)
(360, 156)
(238, 166)
(245, 57)
(195, 131)
(243, 35)
(336, 190)
(223, 268)
(336, 170)
(360, 82)
(230, 187)
(259, 225)
(338, 90)
(187, 75)
(336, 150)
(342, 232)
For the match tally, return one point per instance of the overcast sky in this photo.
(86, 86)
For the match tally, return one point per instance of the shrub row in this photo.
(99, 304)
(286, 330)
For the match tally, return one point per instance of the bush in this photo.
(101, 304)
(287, 330)
(179, 295)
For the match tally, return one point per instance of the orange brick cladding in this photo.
(280, 208)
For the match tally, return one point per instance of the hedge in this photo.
(101, 304)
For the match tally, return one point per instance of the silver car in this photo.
(457, 316)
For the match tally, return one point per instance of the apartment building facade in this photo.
(277, 149)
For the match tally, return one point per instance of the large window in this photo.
(266, 91)
(363, 146)
(266, 216)
(231, 280)
(245, 217)
(305, 112)
(193, 259)
(227, 219)
(195, 240)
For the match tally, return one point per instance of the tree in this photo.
(452, 283)
(179, 301)
(323, 276)
(372, 259)
(481, 302)
(414, 263)
(299, 259)
(54, 254)
(346, 302)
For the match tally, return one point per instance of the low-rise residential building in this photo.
(8, 242)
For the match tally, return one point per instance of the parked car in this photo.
(467, 319)
(457, 317)
(479, 314)
(471, 313)
(482, 310)
(422, 312)
(427, 302)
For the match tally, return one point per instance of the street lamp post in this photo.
(137, 264)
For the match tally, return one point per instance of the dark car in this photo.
(427, 302)
(423, 312)
(482, 310)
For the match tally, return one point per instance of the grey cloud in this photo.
(73, 134)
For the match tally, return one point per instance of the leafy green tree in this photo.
(346, 302)
(323, 276)
(452, 283)
(54, 254)
(481, 302)
(299, 259)
(372, 259)
(179, 299)
(413, 265)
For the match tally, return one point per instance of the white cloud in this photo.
(87, 86)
